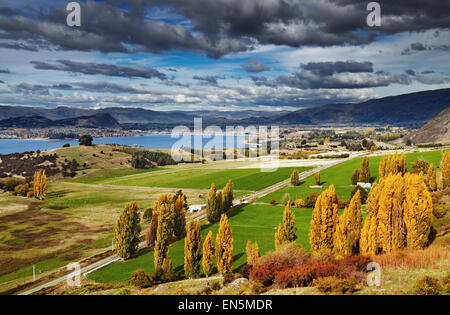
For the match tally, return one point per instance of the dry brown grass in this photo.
(415, 258)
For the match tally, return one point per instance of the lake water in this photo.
(8, 146)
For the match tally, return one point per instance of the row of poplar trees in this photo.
(222, 251)
(219, 202)
(40, 185)
(399, 213)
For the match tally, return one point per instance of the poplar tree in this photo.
(364, 172)
(317, 178)
(445, 166)
(431, 178)
(286, 232)
(127, 230)
(208, 254)
(163, 235)
(391, 230)
(355, 176)
(294, 178)
(252, 251)
(368, 243)
(192, 249)
(224, 247)
(348, 230)
(324, 221)
(418, 211)
(211, 205)
(40, 185)
(179, 226)
(228, 195)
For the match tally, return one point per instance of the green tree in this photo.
(86, 140)
(294, 178)
(127, 230)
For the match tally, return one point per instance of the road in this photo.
(104, 262)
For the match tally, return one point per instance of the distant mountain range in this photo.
(99, 120)
(407, 109)
(437, 130)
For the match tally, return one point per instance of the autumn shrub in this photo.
(302, 276)
(140, 279)
(299, 203)
(21, 190)
(427, 286)
(267, 267)
(335, 285)
(310, 200)
(273, 202)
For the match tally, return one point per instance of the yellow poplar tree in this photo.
(348, 230)
(324, 221)
(382, 167)
(286, 232)
(418, 211)
(163, 235)
(391, 230)
(252, 251)
(179, 216)
(224, 246)
(40, 185)
(445, 166)
(208, 254)
(369, 244)
(127, 230)
(317, 178)
(431, 178)
(192, 249)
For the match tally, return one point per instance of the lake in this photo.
(8, 146)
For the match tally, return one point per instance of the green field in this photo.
(250, 222)
(103, 175)
(339, 175)
(202, 178)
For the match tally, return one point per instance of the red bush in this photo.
(272, 202)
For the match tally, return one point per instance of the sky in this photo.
(223, 55)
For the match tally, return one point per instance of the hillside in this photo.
(437, 130)
(36, 121)
(407, 109)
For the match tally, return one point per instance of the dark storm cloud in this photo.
(254, 66)
(5, 71)
(219, 27)
(107, 28)
(330, 68)
(334, 75)
(2, 82)
(209, 79)
(410, 72)
(418, 47)
(90, 68)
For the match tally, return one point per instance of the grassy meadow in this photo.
(250, 222)
(339, 175)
